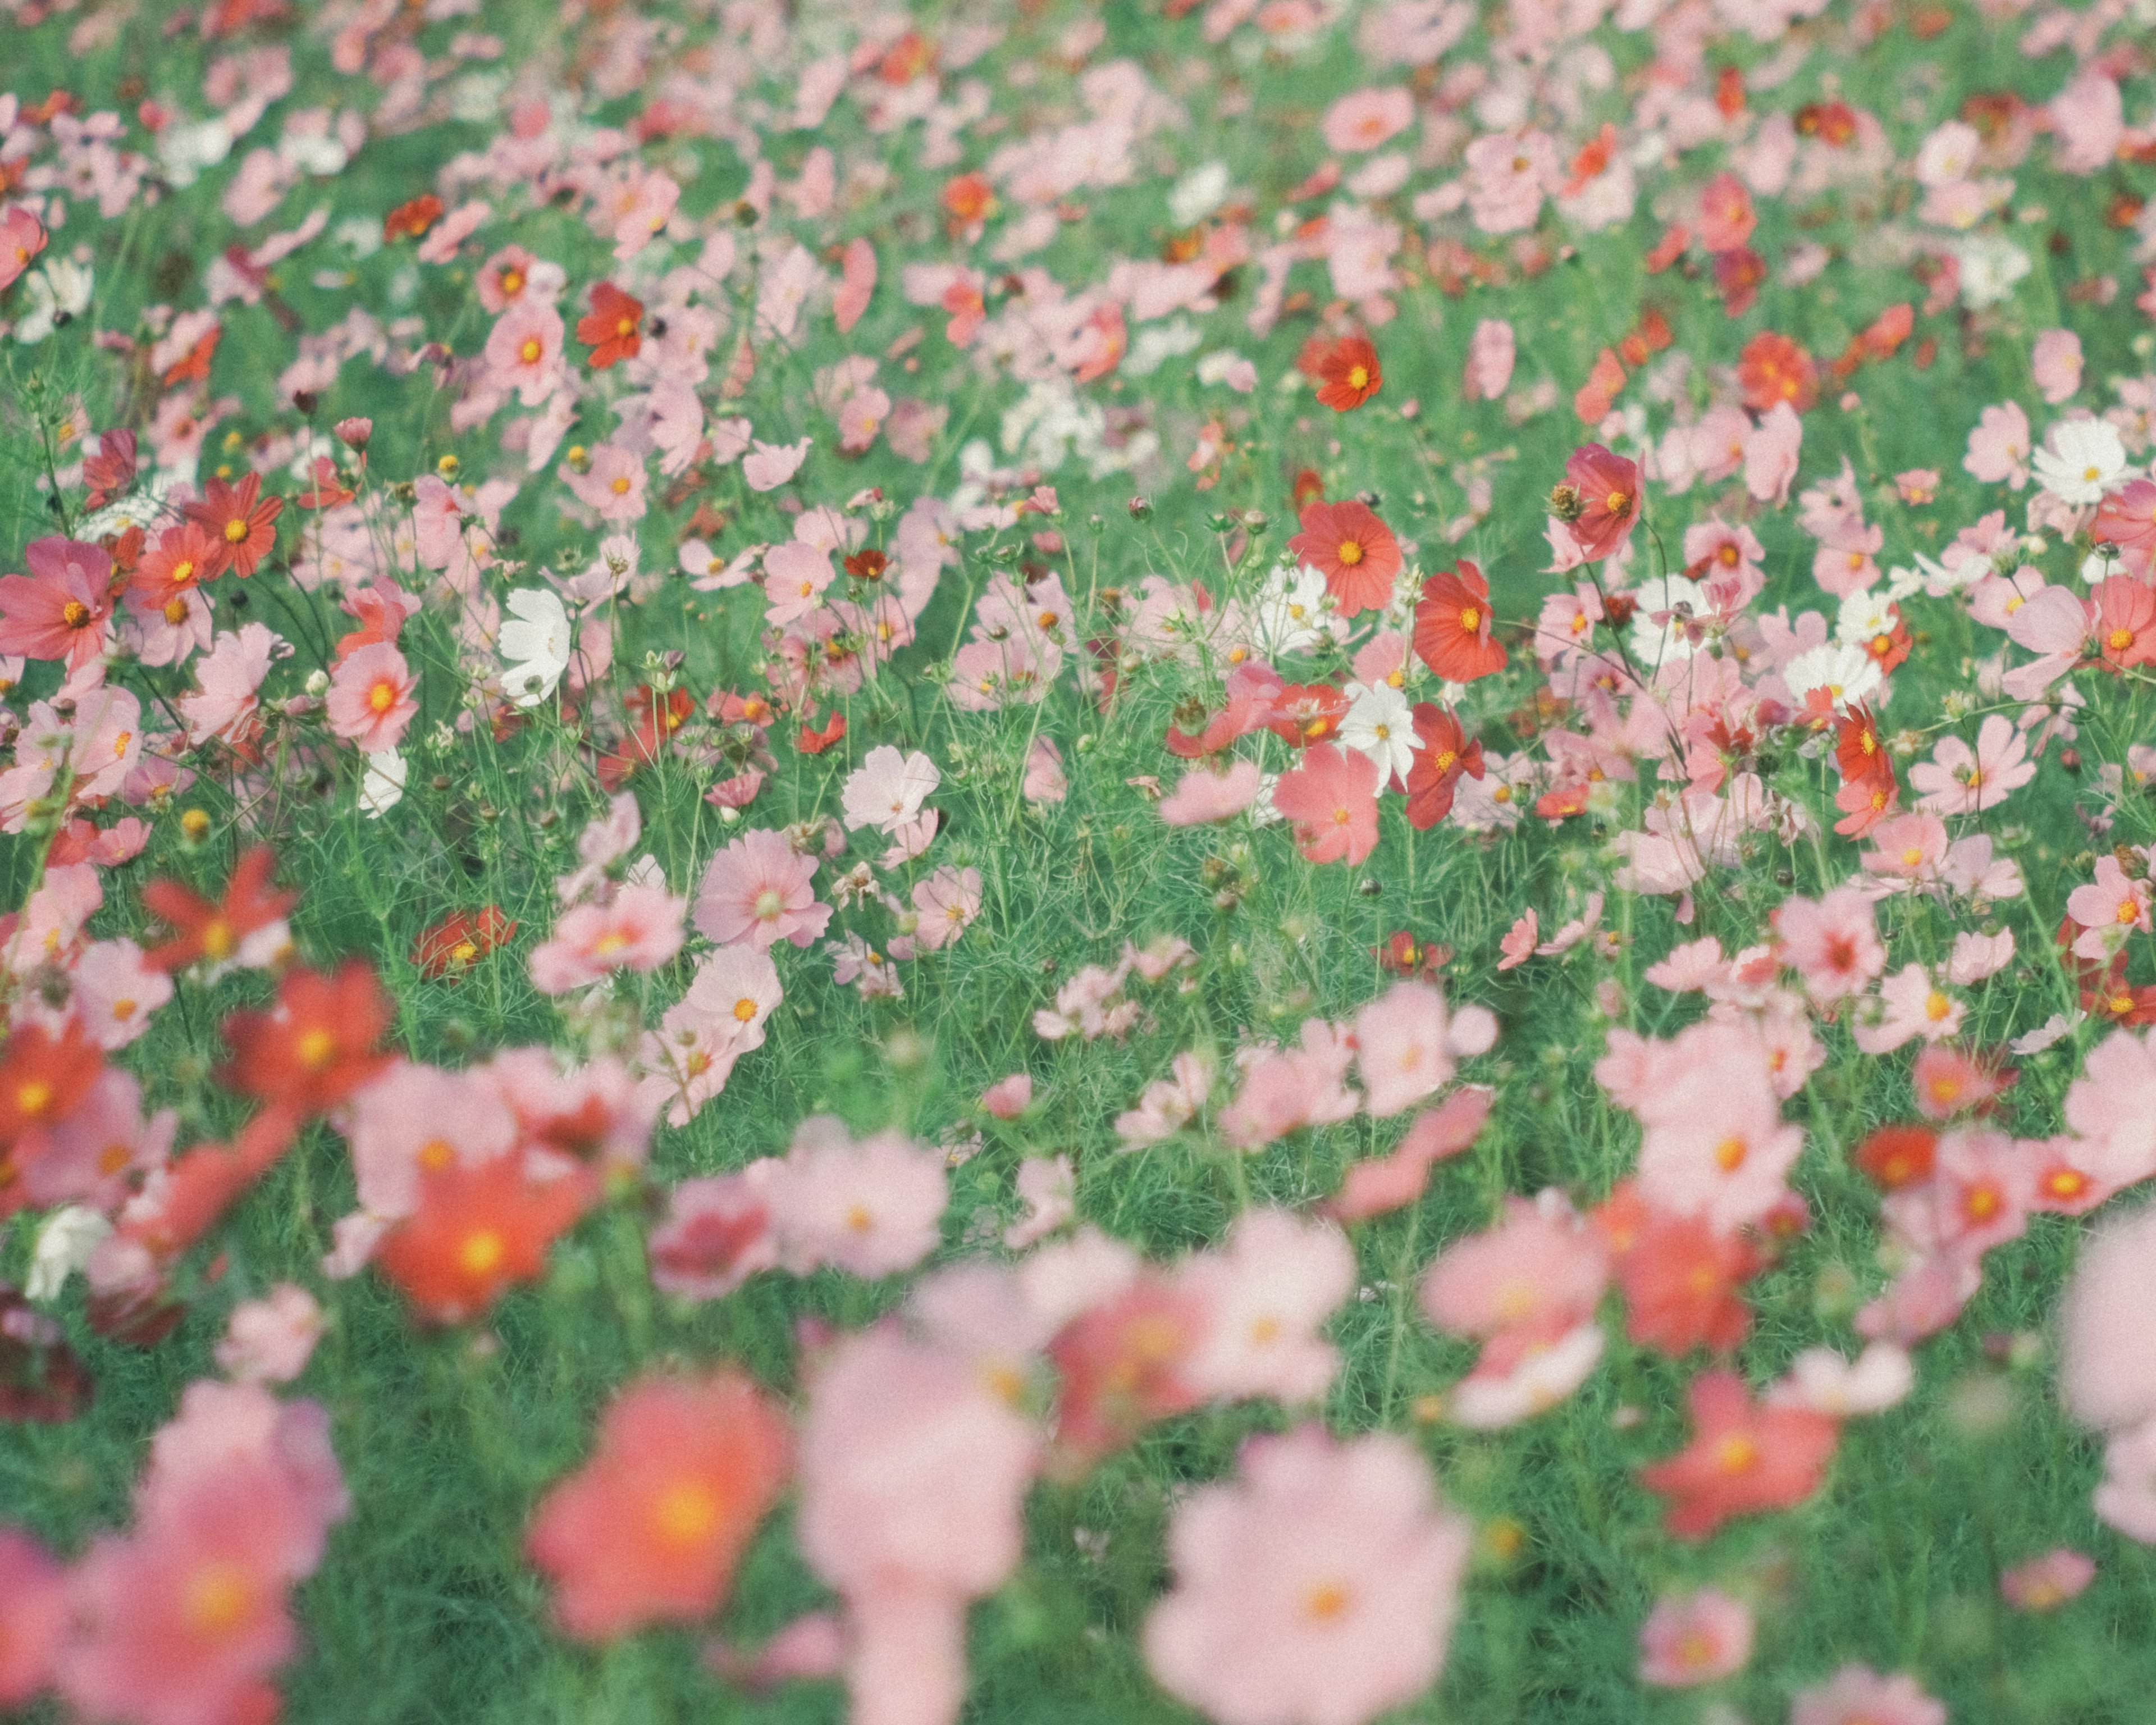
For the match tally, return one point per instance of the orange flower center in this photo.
(1471, 619)
(685, 1513)
(382, 695)
(1326, 1601)
(315, 1049)
(1729, 1155)
(744, 1009)
(482, 1252)
(1351, 552)
(1737, 1454)
(1358, 377)
(530, 351)
(235, 530)
(74, 614)
(219, 1599)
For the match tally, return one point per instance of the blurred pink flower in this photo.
(1696, 1638)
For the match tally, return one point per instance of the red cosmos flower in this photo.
(1444, 752)
(1773, 368)
(111, 469)
(1606, 487)
(479, 1228)
(241, 530)
(814, 742)
(2126, 621)
(1403, 955)
(1897, 1155)
(202, 1185)
(1858, 750)
(651, 1528)
(202, 929)
(316, 1046)
(1304, 713)
(1452, 625)
(1122, 1363)
(58, 609)
(43, 1080)
(1353, 550)
(611, 327)
(968, 198)
(2128, 517)
(1347, 373)
(1887, 332)
(413, 218)
(1738, 275)
(183, 557)
(1833, 123)
(1743, 1458)
(1679, 1276)
(656, 719)
(457, 942)
(1888, 650)
(326, 492)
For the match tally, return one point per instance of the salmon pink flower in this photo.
(2125, 626)
(1960, 780)
(1331, 797)
(1604, 488)
(651, 1528)
(872, 1208)
(36, 1588)
(370, 700)
(1316, 1588)
(524, 351)
(640, 930)
(1774, 369)
(1857, 1695)
(1353, 550)
(1833, 943)
(2047, 1583)
(59, 609)
(1743, 1458)
(202, 929)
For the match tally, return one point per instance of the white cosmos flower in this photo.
(55, 294)
(69, 1235)
(1847, 673)
(536, 646)
(381, 785)
(1864, 615)
(1380, 725)
(2080, 461)
(1674, 598)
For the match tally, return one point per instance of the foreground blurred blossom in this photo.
(1318, 1587)
(1699, 1637)
(1857, 1695)
(2047, 1583)
(651, 1528)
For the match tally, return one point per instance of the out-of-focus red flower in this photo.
(1122, 1364)
(651, 1528)
(202, 929)
(1743, 1458)
(1897, 1155)
(480, 1228)
(454, 944)
(1773, 368)
(1347, 373)
(612, 327)
(412, 219)
(1452, 625)
(1443, 752)
(241, 524)
(316, 1045)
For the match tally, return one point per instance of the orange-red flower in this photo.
(316, 1046)
(479, 1228)
(1858, 750)
(1607, 490)
(1443, 752)
(1897, 1156)
(202, 929)
(1348, 373)
(612, 327)
(1452, 625)
(413, 218)
(968, 197)
(1353, 550)
(242, 531)
(454, 944)
(651, 1528)
(43, 1079)
(1773, 368)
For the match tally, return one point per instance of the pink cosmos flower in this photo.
(227, 681)
(1518, 943)
(1999, 447)
(1316, 1588)
(1379, 1184)
(1910, 1004)
(416, 1118)
(60, 608)
(1857, 1695)
(1364, 119)
(1284, 1089)
(1406, 1043)
(22, 238)
(1266, 1293)
(1007, 1098)
(768, 466)
(757, 890)
(1508, 177)
(1536, 1271)
(948, 901)
(1696, 1638)
(1958, 780)
(115, 991)
(1715, 1144)
(1491, 351)
(717, 1233)
(1833, 943)
(370, 702)
(2110, 907)
(270, 1341)
(2107, 1323)
(887, 789)
(794, 577)
(1202, 795)
(872, 1208)
(524, 349)
(2047, 1583)
(612, 485)
(2056, 364)
(1048, 1188)
(1331, 797)
(640, 929)
(36, 1590)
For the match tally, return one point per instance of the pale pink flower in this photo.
(1491, 351)
(1715, 1144)
(1998, 446)
(415, 1119)
(947, 902)
(1696, 1638)
(1167, 1104)
(640, 929)
(717, 1233)
(794, 577)
(2107, 1325)
(1960, 780)
(1364, 119)
(269, 1341)
(2125, 1498)
(1910, 1004)
(524, 349)
(1318, 1588)
(1265, 1292)
(1007, 1098)
(1821, 1379)
(612, 485)
(226, 680)
(872, 1208)
(2047, 1583)
(1284, 1089)
(1406, 1043)
(1857, 1695)
(114, 992)
(2056, 364)
(1508, 178)
(768, 466)
(1202, 795)
(757, 889)
(1048, 1188)
(1044, 781)
(1539, 1270)
(2110, 907)
(887, 789)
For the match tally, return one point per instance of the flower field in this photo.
(1282, 861)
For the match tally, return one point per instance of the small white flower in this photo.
(1991, 265)
(1380, 725)
(56, 294)
(535, 647)
(1847, 673)
(64, 1244)
(1863, 616)
(382, 786)
(1675, 600)
(2080, 461)
(1198, 194)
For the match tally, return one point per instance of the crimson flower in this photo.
(241, 531)
(317, 1045)
(1609, 496)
